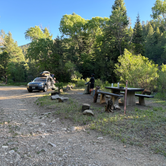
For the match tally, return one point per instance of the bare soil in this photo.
(29, 137)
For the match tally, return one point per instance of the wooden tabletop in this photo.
(123, 88)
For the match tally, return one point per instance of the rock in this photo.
(17, 158)
(11, 151)
(55, 120)
(73, 129)
(117, 107)
(46, 113)
(42, 124)
(5, 147)
(60, 98)
(88, 112)
(53, 145)
(85, 106)
(100, 138)
(54, 97)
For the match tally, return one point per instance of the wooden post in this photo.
(125, 102)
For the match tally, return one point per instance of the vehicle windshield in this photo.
(39, 80)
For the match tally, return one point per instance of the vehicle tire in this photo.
(45, 88)
(29, 90)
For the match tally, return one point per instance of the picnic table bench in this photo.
(114, 96)
(141, 98)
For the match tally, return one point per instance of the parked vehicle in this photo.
(42, 83)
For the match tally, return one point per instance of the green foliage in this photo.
(138, 70)
(17, 72)
(138, 39)
(162, 83)
(60, 86)
(10, 54)
(98, 82)
(159, 9)
(80, 82)
(36, 32)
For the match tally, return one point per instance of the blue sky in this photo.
(17, 16)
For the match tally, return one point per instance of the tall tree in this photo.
(138, 39)
(11, 47)
(118, 23)
(36, 32)
(4, 59)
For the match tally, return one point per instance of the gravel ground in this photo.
(30, 138)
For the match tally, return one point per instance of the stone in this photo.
(85, 106)
(53, 145)
(88, 112)
(11, 151)
(46, 113)
(54, 97)
(117, 107)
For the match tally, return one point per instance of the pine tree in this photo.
(138, 40)
(11, 47)
(119, 5)
(118, 24)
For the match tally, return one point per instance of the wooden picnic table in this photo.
(130, 93)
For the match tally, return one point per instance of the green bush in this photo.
(80, 82)
(138, 70)
(161, 83)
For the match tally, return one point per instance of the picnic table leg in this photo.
(141, 100)
(102, 99)
(96, 94)
(131, 98)
(114, 100)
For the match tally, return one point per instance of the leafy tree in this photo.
(11, 47)
(138, 39)
(159, 9)
(137, 69)
(4, 58)
(36, 32)
(10, 53)
(17, 71)
(161, 83)
(40, 50)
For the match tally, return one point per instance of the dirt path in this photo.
(28, 137)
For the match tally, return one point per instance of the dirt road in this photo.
(28, 137)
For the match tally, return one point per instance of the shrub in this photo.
(138, 70)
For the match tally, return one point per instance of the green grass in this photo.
(144, 128)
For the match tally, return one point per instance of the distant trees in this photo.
(91, 46)
(138, 39)
(10, 55)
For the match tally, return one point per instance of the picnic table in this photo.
(130, 93)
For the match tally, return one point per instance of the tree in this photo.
(10, 53)
(11, 47)
(118, 24)
(159, 9)
(138, 38)
(4, 59)
(36, 32)
(161, 82)
(137, 69)
(40, 51)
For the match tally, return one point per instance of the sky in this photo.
(17, 16)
